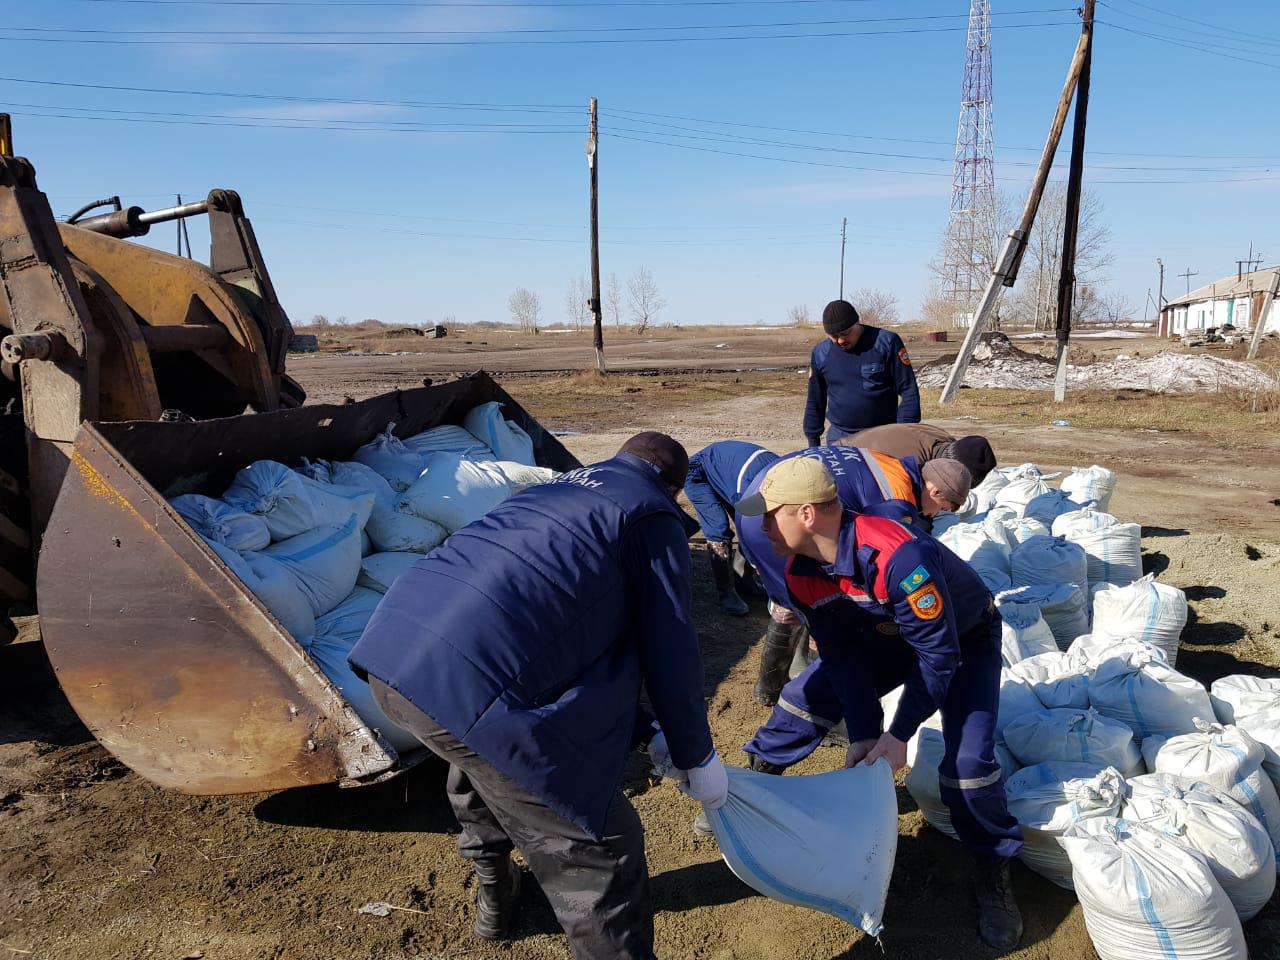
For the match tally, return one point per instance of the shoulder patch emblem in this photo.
(904, 357)
(915, 579)
(926, 602)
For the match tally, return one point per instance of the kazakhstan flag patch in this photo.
(914, 580)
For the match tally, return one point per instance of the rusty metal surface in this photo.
(170, 661)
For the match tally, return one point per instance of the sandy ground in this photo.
(99, 863)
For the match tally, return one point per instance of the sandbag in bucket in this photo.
(789, 838)
(507, 440)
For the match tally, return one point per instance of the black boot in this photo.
(722, 574)
(764, 766)
(496, 896)
(999, 920)
(775, 661)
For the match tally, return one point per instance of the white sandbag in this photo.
(1063, 607)
(1049, 506)
(989, 557)
(1240, 696)
(366, 545)
(323, 563)
(449, 438)
(1020, 529)
(1149, 696)
(1145, 610)
(1076, 736)
(1044, 561)
(1232, 842)
(1096, 648)
(454, 491)
(1047, 681)
(507, 440)
(922, 780)
(379, 571)
(1082, 520)
(945, 521)
(276, 588)
(222, 523)
(348, 473)
(1047, 798)
(291, 503)
(1228, 759)
(1021, 490)
(1147, 896)
(522, 477)
(788, 838)
(387, 455)
(1023, 633)
(1090, 484)
(984, 494)
(1113, 553)
(394, 531)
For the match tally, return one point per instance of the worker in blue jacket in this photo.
(889, 606)
(517, 652)
(859, 377)
(867, 482)
(718, 476)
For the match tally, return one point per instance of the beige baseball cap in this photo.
(795, 481)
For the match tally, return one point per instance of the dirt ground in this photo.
(96, 862)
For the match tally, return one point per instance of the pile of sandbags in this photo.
(1143, 692)
(1145, 610)
(1063, 607)
(1253, 705)
(1047, 681)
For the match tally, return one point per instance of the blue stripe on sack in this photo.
(1139, 720)
(1149, 914)
(341, 533)
(1154, 613)
(862, 920)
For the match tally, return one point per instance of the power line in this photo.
(328, 125)
(469, 5)
(1189, 46)
(1253, 37)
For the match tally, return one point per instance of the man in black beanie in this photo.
(859, 377)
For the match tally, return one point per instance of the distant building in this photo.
(1226, 301)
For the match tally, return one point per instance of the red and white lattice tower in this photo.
(970, 246)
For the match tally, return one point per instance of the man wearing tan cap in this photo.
(889, 606)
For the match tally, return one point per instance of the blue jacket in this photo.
(867, 482)
(718, 476)
(860, 388)
(890, 581)
(529, 633)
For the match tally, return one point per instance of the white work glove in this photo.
(660, 754)
(708, 782)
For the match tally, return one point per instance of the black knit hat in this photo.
(839, 315)
(976, 454)
(669, 458)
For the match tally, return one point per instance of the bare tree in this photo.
(613, 299)
(875, 307)
(576, 307)
(798, 315)
(526, 309)
(988, 233)
(645, 300)
(319, 320)
(1037, 303)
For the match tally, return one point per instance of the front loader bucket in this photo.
(165, 655)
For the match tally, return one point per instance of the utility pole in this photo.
(844, 223)
(182, 231)
(1268, 304)
(1250, 262)
(1187, 275)
(1160, 326)
(593, 151)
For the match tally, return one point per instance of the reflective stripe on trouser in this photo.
(806, 711)
(599, 889)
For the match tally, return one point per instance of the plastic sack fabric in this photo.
(1147, 695)
(1232, 842)
(1082, 520)
(348, 473)
(1085, 484)
(1145, 610)
(379, 571)
(276, 588)
(507, 440)
(984, 494)
(222, 523)
(522, 477)
(336, 633)
(1113, 553)
(322, 563)
(1240, 696)
(291, 503)
(1225, 758)
(1097, 648)
(1147, 896)
(1047, 798)
(1043, 561)
(1049, 506)
(394, 531)
(387, 456)
(448, 438)
(946, 521)
(789, 839)
(1048, 681)
(454, 491)
(1021, 490)
(973, 543)
(922, 780)
(1076, 736)
(1023, 633)
(1020, 529)
(1063, 607)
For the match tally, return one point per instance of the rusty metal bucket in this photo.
(166, 656)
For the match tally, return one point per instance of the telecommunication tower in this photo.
(970, 246)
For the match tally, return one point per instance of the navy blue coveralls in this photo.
(899, 609)
(868, 386)
(718, 478)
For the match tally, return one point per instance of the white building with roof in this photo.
(1231, 300)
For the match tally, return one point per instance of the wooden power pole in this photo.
(844, 224)
(593, 163)
(1264, 315)
(1071, 224)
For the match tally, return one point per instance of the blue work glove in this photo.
(708, 782)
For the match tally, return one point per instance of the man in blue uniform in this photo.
(517, 652)
(889, 606)
(859, 377)
(718, 475)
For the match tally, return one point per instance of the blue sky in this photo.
(412, 213)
